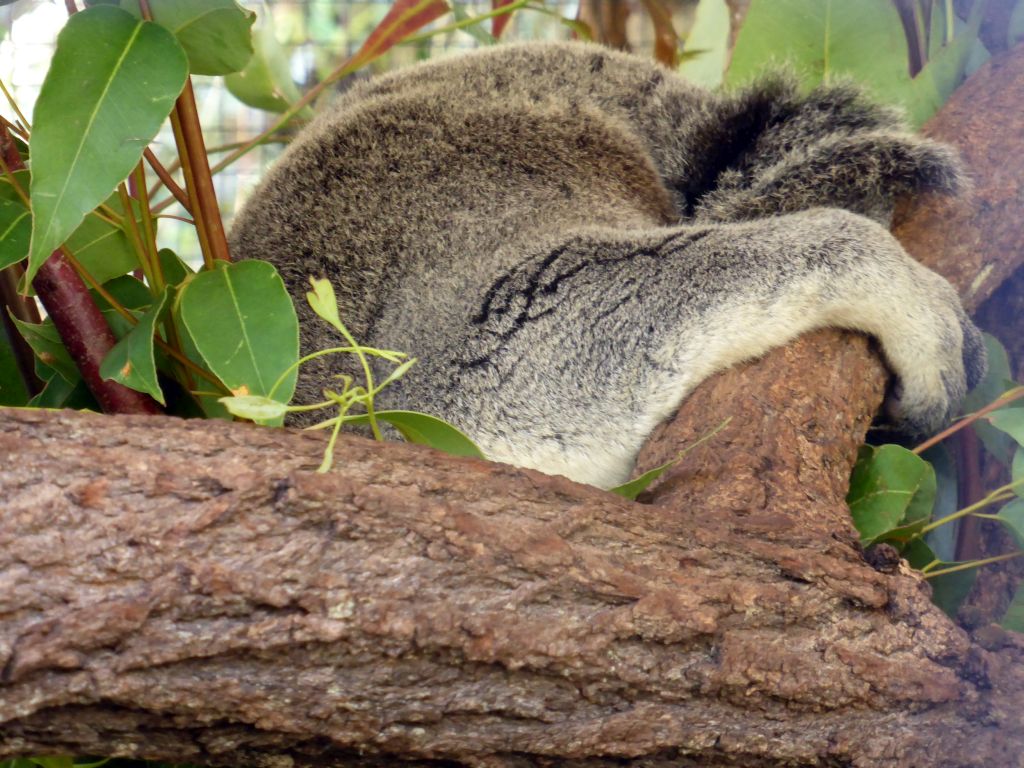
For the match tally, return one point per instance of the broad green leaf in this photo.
(822, 40)
(242, 322)
(175, 270)
(891, 488)
(12, 386)
(15, 232)
(131, 362)
(47, 344)
(426, 430)
(112, 81)
(266, 82)
(255, 407)
(102, 248)
(997, 442)
(943, 538)
(129, 293)
(918, 554)
(1009, 420)
(1012, 516)
(1013, 619)
(58, 393)
(709, 41)
(216, 34)
(209, 401)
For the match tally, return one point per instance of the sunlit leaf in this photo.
(891, 488)
(131, 361)
(709, 40)
(266, 82)
(242, 322)
(402, 19)
(112, 81)
(255, 407)
(323, 301)
(427, 430)
(216, 34)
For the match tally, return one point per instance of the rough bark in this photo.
(194, 591)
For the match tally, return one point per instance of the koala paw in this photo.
(935, 365)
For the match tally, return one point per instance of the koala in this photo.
(570, 239)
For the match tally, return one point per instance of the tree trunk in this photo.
(194, 591)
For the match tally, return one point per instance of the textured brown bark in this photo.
(194, 591)
(197, 592)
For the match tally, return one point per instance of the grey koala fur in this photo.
(570, 239)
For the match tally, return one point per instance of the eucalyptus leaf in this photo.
(12, 386)
(242, 322)
(174, 269)
(47, 344)
(266, 82)
(216, 34)
(423, 429)
(1012, 516)
(997, 442)
(59, 393)
(255, 407)
(1017, 470)
(112, 81)
(1009, 420)
(324, 303)
(709, 41)
(892, 492)
(950, 590)
(15, 232)
(131, 361)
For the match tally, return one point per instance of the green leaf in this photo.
(129, 292)
(112, 81)
(940, 76)
(950, 590)
(822, 39)
(12, 387)
(638, 485)
(58, 393)
(709, 41)
(323, 302)
(998, 443)
(15, 232)
(242, 322)
(918, 554)
(891, 489)
(216, 34)
(1013, 619)
(175, 270)
(47, 344)
(255, 407)
(266, 82)
(131, 362)
(1009, 420)
(426, 430)
(476, 31)
(943, 538)
(1012, 516)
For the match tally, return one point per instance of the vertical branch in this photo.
(201, 193)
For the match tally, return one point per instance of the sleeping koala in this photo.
(571, 239)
